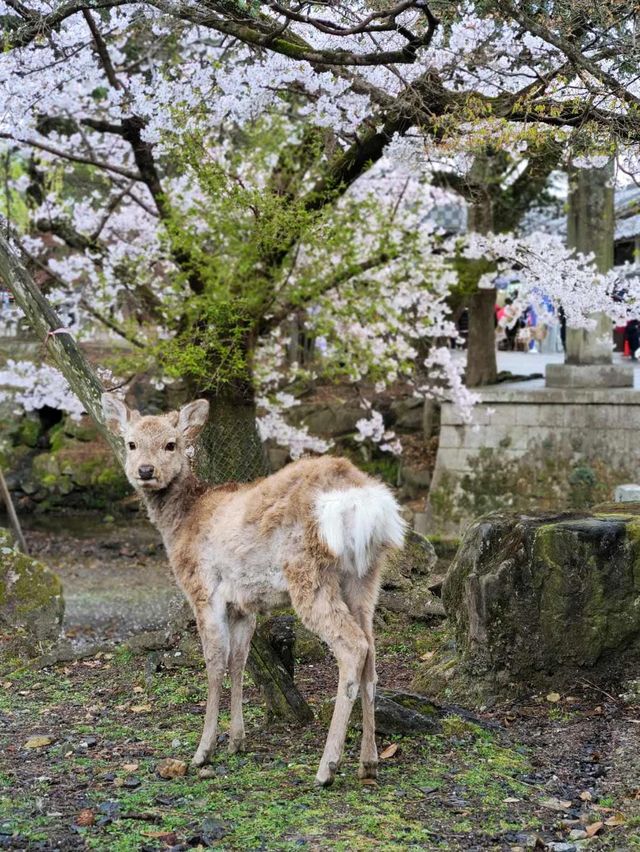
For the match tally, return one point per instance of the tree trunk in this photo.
(86, 385)
(482, 363)
(230, 448)
(269, 671)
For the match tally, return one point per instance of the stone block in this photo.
(530, 415)
(628, 493)
(503, 415)
(589, 375)
(452, 436)
(539, 596)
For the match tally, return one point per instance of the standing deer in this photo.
(316, 534)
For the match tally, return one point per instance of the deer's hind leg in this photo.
(361, 595)
(322, 609)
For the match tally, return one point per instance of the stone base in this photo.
(589, 376)
(540, 432)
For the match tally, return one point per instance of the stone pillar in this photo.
(590, 229)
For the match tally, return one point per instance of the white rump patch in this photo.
(355, 522)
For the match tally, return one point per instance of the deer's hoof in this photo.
(368, 769)
(201, 758)
(326, 776)
(236, 745)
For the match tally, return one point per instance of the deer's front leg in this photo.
(241, 631)
(214, 634)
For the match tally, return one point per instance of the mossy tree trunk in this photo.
(230, 446)
(64, 351)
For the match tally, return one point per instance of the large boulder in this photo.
(538, 598)
(31, 601)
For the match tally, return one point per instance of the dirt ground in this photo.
(555, 771)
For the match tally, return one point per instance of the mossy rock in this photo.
(308, 647)
(539, 597)
(28, 431)
(31, 600)
(417, 557)
(417, 601)
(84, 467)
(397, 712)
(83, 429)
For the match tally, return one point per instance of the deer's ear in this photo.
(116, 413)
(192, 418)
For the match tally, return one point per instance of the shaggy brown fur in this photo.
(314, 534)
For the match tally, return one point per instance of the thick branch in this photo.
(571, 51)
(61, 346)
(102, 51)
(74, 158)
(40, 25)
(279, 40)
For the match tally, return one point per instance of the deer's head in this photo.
(156, 447)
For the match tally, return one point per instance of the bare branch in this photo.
(102, 50)
(75, 158)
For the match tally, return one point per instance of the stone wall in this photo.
(543, 448)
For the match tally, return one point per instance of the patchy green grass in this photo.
(472, 786)
(110, 730)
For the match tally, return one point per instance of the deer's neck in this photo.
(169, 507)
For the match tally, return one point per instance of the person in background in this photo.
(508, 319)
(632, 337)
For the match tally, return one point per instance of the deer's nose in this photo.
(145, 471)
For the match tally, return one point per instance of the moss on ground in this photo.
(112, 719)
(110, 729)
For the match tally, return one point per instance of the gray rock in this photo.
(31, 600)
(408, 413)
(414, 481)
(331, 419)
(278, 458)
(561, 847)
(416, 557)
(538, 595)
(577, 834)
(396, 713)
(417, 602)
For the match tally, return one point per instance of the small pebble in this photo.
(207, 772)
(577, 834)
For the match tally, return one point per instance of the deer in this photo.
(314, 535)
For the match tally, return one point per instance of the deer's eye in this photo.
(131, 445)
(170, 446)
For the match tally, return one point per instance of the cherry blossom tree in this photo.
(197, 173)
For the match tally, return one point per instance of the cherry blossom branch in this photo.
(265, 34)
(102, 50)
(577, 56)
(39, 25)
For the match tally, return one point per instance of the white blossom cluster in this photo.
(30, 387)
(272, 425)
(59, 103)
